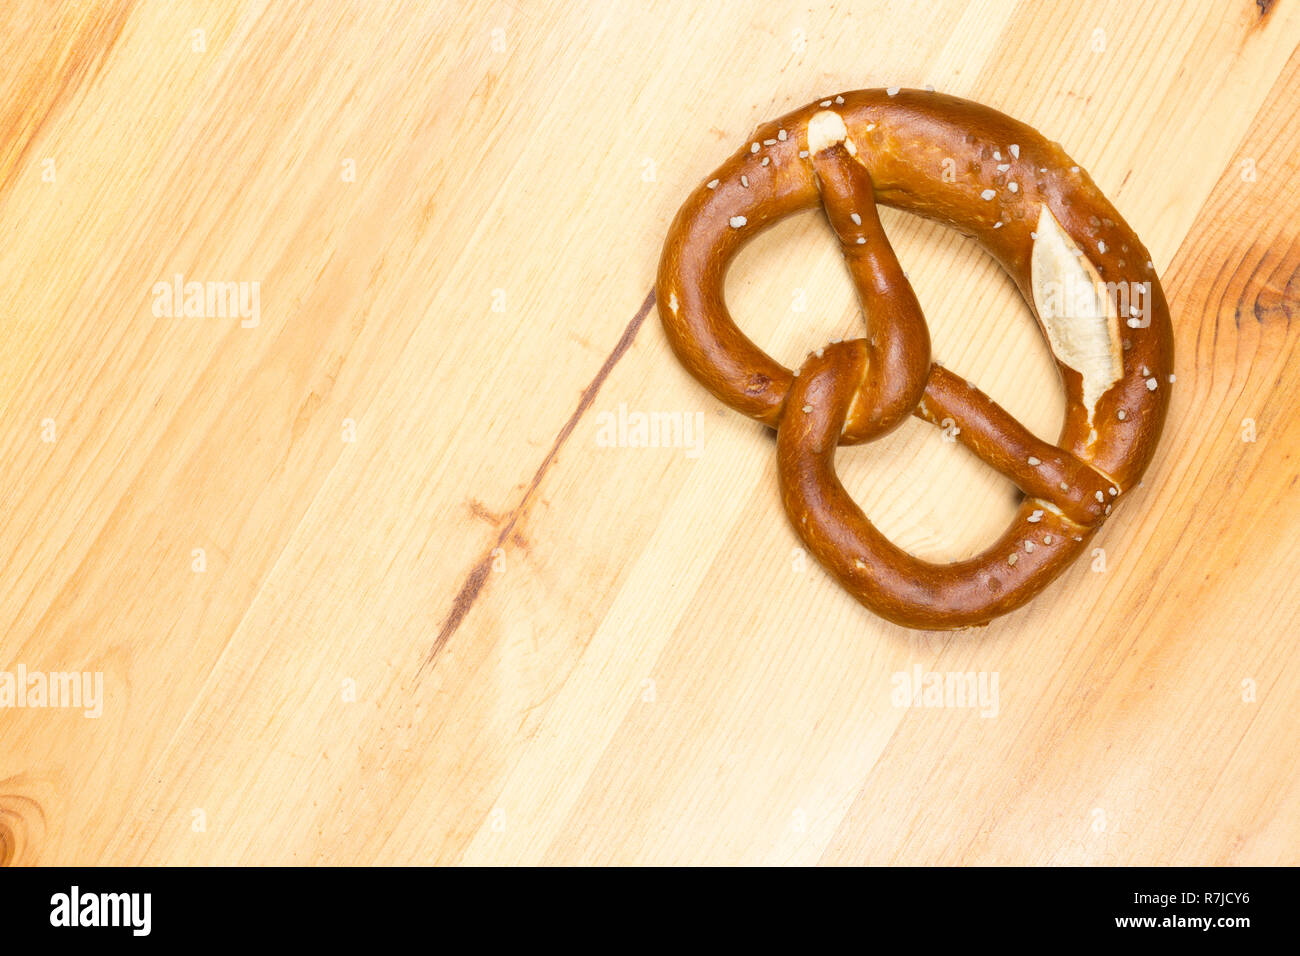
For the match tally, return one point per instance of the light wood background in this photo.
(365, 584)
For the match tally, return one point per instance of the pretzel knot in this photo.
(1085, 275)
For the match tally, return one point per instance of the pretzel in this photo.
(1087, 278)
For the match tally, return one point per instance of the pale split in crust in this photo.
(1081, 322)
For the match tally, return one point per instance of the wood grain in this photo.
(365, 581)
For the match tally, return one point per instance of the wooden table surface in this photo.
(372, 570)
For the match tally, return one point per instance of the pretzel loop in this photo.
(1040, 543)
(1076, 262)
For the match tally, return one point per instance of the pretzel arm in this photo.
(1039, 469)
(898, 342)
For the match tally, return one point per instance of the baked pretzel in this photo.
(1086, 276)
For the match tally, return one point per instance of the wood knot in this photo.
(21, 825)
